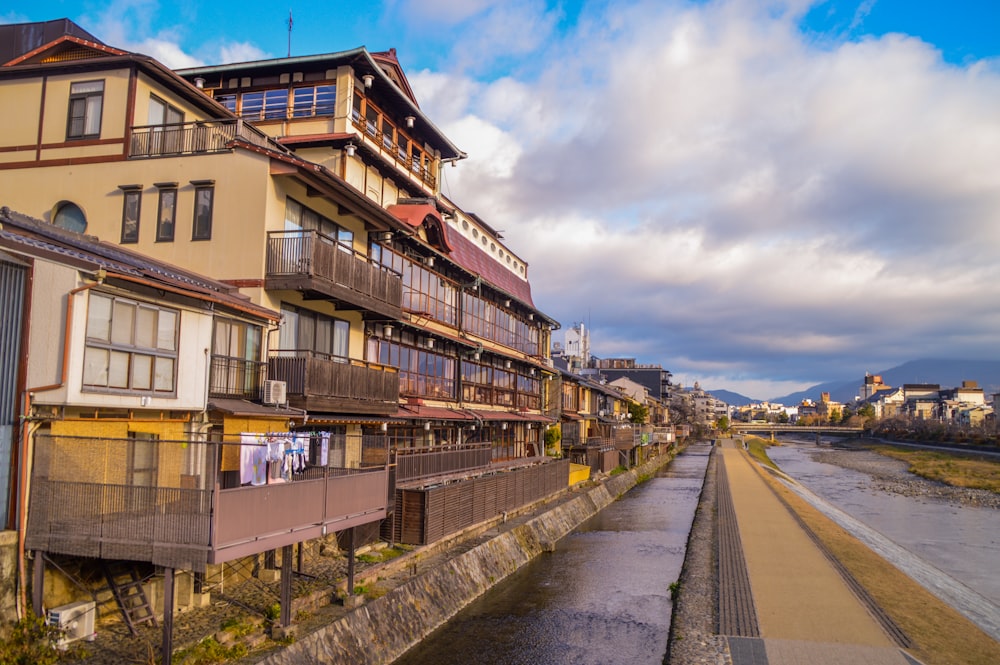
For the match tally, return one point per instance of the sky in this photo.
(757, 195)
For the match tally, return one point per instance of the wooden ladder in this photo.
(126, 586)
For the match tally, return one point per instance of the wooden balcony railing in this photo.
(85, 501)
(311, 260)
(189, 138)
(317, 381)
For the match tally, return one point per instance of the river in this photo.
(960, 540)
(602, 597)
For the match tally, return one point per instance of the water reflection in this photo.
(962, 541)
(602, 597)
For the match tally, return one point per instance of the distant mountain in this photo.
(945, 373)
(731, 398)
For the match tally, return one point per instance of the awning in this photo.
(420, 412)
(522, 416)
(349, 419)
(241, 407)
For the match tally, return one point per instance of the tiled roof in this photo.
(18, 229)
(466, 254)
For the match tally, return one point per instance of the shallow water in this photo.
(602, 597)
(962, 541)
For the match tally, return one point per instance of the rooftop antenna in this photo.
(289, 33)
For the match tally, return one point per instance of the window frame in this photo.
(100, 339)
(131, 194)
(86, 119)
(166, 189)
(201, 228)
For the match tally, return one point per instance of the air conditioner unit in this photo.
(76, 620)
(274, 392)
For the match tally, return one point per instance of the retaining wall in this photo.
(381, 630)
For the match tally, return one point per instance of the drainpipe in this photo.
(28, 431)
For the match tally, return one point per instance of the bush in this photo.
(31, 641)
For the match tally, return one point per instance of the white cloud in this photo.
(682, 169)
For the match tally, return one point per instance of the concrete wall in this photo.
(383, 629)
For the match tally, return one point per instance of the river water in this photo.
(602, 597)
(959, 540)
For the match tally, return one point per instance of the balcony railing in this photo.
(235, 377)
(312, 260)
(87, 500)
(420, 463)
(189, 138)
(419, 166)
(317, 381)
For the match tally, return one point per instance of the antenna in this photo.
(289, 33)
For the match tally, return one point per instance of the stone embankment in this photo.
(891, 475)
(381, 630)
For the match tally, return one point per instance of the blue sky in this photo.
(759, 195)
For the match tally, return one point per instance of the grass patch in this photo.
(384, 554)
(940, 635)
(758, 450)
(948, 468)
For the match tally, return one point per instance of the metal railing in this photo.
(188, 138)
(420, 463)
(235, 377)
(90, 497)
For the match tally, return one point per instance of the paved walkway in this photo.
(806, 611)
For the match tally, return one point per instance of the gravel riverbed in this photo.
(892, 475)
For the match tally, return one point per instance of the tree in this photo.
(637, 413)
(783, 417)
(722, 424)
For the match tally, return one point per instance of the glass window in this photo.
(252, 104)
(166, 215)
(86, 100)
(69, 216)
(229, 101)
(130, 345)
(275, 104)
(162, 113)
(316, 100)
(130, 215)
(204, 197)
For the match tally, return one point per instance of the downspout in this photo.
(26, 434)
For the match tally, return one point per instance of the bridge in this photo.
(780, 428)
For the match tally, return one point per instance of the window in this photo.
(305, 330)
(162, 113)
(142, 459)
(86, 99)
(130, 212)
(69, 216)
(300, 218)
(131, 346)
(204, 198)
(229, 101)
(166, 211)
(315, 100)
(265, 105)
(236, 365)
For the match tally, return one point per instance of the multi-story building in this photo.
(311, 185)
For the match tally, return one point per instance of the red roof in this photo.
(468, 255)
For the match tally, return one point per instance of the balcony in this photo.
(192, 138)
(236, 378)
(415, 464)
(321, 268)
(320, 382)
(89, 498)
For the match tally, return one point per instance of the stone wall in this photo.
(8, 577)
(381, 630)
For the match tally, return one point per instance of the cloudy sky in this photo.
(757, 195)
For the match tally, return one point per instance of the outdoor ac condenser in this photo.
(274, 392)
(75, 619)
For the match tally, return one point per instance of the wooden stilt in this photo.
(286, 586)
(168, 616)
(350, 562)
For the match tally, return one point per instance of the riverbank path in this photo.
(782, 600)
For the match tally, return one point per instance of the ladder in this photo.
(126, 586)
